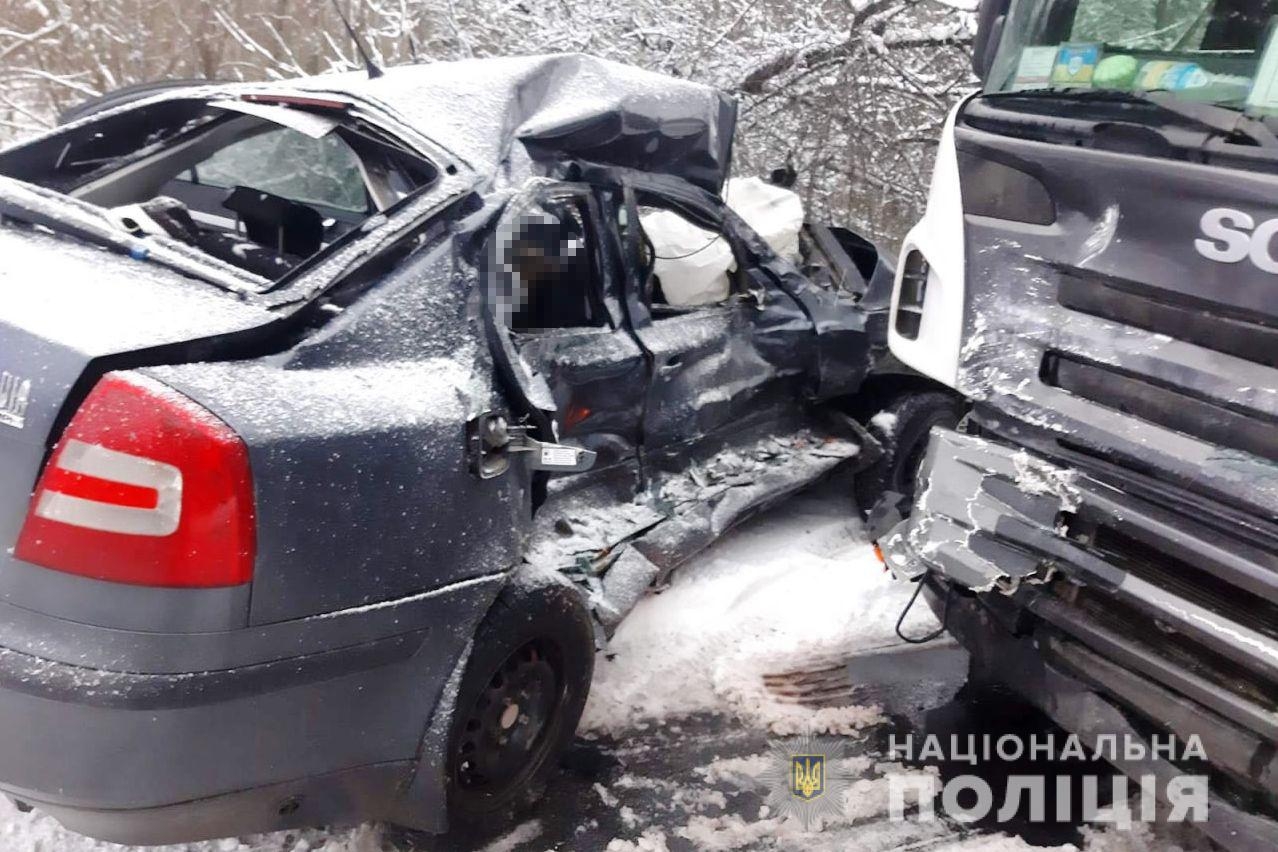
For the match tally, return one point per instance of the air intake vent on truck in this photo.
(1206, 325)
(1163, 405)
(913, 292)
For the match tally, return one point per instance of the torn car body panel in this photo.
(510, 117)
(617, 543)
(972, 497)
(662, 392)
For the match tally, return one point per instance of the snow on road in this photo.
(795, 588)
(34, 832)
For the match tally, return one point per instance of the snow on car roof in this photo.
(505, 115)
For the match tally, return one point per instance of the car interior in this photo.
(555, 266)
(259, 186)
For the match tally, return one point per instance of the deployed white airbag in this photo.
(774, 212)
(693, 264)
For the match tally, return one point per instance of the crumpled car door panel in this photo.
(718, 367)
(561, 275)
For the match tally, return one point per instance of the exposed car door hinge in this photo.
(493, 444)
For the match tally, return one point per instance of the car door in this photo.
(726, 360)
(565, 322)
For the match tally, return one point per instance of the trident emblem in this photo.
(808, 776)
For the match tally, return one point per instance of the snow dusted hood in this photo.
(508, 116)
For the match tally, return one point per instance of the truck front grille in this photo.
(1183, 651)
(1187, 581)
(1204, 324)
(1162, 404)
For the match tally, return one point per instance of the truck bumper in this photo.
(333, 737)
(1100, 607)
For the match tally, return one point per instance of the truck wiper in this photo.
(1222, 121)
(1228, 122)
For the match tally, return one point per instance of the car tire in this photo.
(902, 427)
(518, 703)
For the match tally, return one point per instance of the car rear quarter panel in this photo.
(357, 444)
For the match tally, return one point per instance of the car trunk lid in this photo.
(68, 313)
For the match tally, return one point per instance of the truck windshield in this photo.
(1213, 51)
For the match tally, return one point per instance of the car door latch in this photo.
(494, 444)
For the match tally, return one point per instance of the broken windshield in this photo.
(323, 171)
(1212, 51)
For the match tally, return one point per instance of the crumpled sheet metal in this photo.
(971, 492)
(618, 549)
(506, 115)
(1017, 316)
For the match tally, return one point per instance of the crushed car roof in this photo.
(504, 116)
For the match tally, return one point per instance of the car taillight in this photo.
(144, 487)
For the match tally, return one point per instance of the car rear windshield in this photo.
(262, 186)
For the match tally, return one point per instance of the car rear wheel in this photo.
(519, 702)
(902, 426)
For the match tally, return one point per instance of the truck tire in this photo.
(518, 703)
(902, 426)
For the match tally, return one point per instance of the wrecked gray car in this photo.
(341, 417)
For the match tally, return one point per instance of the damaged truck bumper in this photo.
(1118, 616)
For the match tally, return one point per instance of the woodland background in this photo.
(850, 93)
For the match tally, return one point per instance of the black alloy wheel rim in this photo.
(507, 725)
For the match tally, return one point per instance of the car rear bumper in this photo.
(339, 798)
(323, 738)
(168, 758)
(1087, 599)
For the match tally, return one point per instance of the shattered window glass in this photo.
(293, 165)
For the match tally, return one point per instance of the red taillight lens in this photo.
(145, 487)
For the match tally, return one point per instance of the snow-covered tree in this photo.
(849, 93)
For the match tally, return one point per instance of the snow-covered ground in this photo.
(676, 736)
(797, 587)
